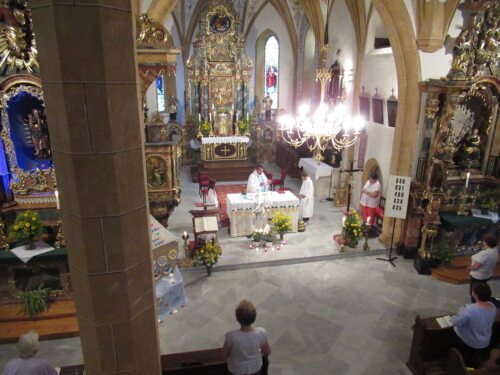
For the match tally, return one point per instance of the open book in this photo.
(206, 224)
(444, 321)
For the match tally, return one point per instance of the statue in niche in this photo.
(39, 133)
(461, 53)
(155, 167)
(268, 104)
(172, 107)
(335, 87)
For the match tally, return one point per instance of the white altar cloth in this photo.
(221, 140)
(25, 255)
(240, 210)
(315, 170)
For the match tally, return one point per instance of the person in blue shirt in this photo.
(473, 325)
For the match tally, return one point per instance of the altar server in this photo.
(212, 200)
(306, 196)
(257, 181)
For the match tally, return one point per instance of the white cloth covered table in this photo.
(320, 175)
(25, 255)
(240, 210)
(221, 140)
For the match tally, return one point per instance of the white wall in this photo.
(270, 19)
(342, 36)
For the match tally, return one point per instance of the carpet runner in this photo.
(222, 191)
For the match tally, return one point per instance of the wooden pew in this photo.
(431, 343)
(201, 362)
(456, 366)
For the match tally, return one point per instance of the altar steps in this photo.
(227, 170)
(59, 321)
(458, 272)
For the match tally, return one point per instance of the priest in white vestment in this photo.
(257, 181)
(306, 196)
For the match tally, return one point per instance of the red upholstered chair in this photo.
(203, 182)
(280, 182)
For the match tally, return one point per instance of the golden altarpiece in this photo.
(455, 195)
(219, 75)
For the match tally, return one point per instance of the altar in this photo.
(322, 175)
(240, 210)
(224, 148)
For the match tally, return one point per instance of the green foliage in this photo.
(33, 301)
(243, 127)
(444, 251)
(26, 227)
(489, 199)
(209, 254)
(353, 228)
(205, 128)
(281, 223)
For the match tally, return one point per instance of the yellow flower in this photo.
(27, 225)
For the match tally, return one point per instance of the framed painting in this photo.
(378, 110)
(392, 110)
(364, 107)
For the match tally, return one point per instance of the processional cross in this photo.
(350, 172)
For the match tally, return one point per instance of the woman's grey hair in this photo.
(28, 344)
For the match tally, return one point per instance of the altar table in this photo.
(240, 210)
(224, 148)
(320, 174)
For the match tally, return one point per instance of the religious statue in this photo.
(268, 104)
(223, 126)
(461, 54)
(172, 107)
(37, 126)
(271, 78)
(472, 149)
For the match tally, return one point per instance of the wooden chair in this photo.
(281, 181)
(203, 182)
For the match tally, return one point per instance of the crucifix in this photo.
(350, 172)
(225, 150)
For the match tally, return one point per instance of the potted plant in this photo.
(33, 301)
(209, 255)
(205, 128)
(26, 227)
(243, 127)
(352, 229)
(444, 251)
(281, 224)
(257, 237)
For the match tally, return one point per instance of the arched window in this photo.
(160, 93)
(271, 58)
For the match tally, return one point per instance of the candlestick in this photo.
(248, 116)
(199, 117)
(58, 204)
(210, 117)
(237, 114)
(343, 221)
(467, 180)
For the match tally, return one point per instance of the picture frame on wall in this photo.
(392, 110)
(378, 109)
(364, 105)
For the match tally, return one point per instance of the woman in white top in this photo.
(370, 198)
(245, 347)
(483, 263)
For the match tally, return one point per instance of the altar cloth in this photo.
(240, 210)
(25, 255)
(221, 140)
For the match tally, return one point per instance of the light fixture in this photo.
(326, 124)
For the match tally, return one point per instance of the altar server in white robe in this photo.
(257, 181)
(306, 196)
(212, 200)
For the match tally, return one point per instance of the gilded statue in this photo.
(17, 42)
(268, 105)
(172, 107)
(444, 147)
(461, 53)
(151, 33)
(39, 134)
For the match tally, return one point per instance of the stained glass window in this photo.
(272, 54)
(160, 93)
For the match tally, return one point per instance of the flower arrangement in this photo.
(209, 255)
(281, 223)
(243, 127)
(205, 128)
(353, 229)
(26, 227)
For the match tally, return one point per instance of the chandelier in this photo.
(320, 128)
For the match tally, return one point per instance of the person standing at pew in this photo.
(473, 325)
(244, 348)
(483, 263)
(27, 364)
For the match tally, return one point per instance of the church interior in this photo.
(335, 162)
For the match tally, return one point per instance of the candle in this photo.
(58, 205)
(248, 116)
(199, 117)
(210, 117)
(343, 221)
(368, 220)
(184, 234)
(237, 114)
(467, 180)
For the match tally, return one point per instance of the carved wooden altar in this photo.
(219, 71)
(459, 140)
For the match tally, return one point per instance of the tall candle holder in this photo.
(187, 261)
(366, 229)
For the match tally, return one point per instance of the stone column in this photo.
(89, 76)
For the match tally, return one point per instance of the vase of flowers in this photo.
(243, 127)
(26, 227)
(281, 224)
(205, 128)
(352, 229)
(209, 255)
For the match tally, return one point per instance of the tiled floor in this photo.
(340, 316)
